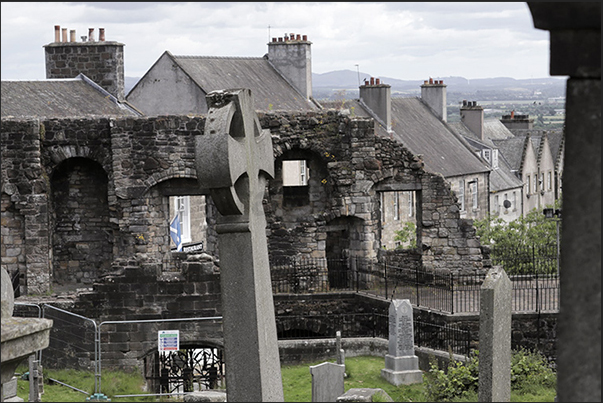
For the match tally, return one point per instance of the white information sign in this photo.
(168, 340)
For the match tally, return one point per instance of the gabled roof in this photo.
(424, 133)
(78, 97)
(501, 176)
(269, 88)
(513, 150)
(419, 130)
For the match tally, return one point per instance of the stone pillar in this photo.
(495, 300)
(575, 46)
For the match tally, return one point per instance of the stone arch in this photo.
(60, 153)
(82, 234)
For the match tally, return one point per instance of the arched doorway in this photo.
(82, 236)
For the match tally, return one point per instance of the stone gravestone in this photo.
(495, 337)
(327, 382)
(401, 363)
(234, 159)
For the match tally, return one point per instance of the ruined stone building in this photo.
(342, 169)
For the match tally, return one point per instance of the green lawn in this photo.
(362, 372)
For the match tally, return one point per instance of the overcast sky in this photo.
(408, 41)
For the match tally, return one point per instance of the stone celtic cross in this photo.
(234, 160)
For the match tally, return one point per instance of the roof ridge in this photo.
(216, 57)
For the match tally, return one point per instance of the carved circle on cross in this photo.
(233, 152)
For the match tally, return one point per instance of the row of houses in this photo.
(500, 167)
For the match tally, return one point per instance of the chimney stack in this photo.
(433, 94)
(377, 97)
(292, 58)
(472, 115)
(102, 62)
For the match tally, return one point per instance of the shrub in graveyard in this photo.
(459, 380)
(529, 369)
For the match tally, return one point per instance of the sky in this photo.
(402, 40)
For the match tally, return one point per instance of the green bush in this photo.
(530, 374)
(458, 381)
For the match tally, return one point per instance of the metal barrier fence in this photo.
(75, 338)
(450, 293)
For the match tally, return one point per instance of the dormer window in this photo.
(487, 154)
(494, 162)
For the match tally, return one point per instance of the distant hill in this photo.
(326, 85)
(332, 85)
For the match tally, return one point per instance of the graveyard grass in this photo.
(362, 372)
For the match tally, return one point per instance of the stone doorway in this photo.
(82, 236)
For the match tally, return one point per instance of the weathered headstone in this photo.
(495, 337)
(327, 381)
(234, 159)
(401, 363)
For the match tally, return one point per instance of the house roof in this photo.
(269, 88)
(419, 130)
(513, 151)
(424, 133)
(60, 98)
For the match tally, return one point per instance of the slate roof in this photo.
(423, 133)
(419, 130)
(512, 149)
(269, 88)
(60, 98)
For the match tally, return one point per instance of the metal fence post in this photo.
(451, 293)
(385, 278)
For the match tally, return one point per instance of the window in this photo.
(494, 158)
(496, 205)
(474, 195)
(549, 181)
(541, 182)
(295, 173)
(535, 183)
(514, 201)
(461, 194)
(183, 208)
(487, 155)
(396, 206)
(411, 203)
(296, 176)
(528, 188)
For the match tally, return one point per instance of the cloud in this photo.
(399, 39)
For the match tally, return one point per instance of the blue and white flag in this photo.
(176, 232)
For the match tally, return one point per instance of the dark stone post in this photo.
(575, 43)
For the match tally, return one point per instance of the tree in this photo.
(525, 245)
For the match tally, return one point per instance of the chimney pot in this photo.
(101, 34)
(57, 33)
(464, 102)
(292, 36)
(377, 81)
(304, 37)
(64, 35)
(72, 35)
(298, 37)
(273, 39)
(372, 81)
(430, 80)
(425, 82)
(280, 39)
(90, 34)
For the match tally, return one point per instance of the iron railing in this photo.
(446, 292)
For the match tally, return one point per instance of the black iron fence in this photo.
(430, 335)
(446, 292)
(527, 259)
